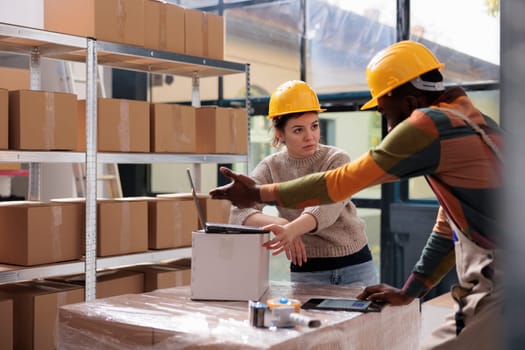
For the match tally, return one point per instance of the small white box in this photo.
(226, 266)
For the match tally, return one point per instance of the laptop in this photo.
(210, 227)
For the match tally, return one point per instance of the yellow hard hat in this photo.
(396, 65)
(294, 96)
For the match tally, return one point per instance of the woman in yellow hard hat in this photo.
(331, 246)
(437, 133)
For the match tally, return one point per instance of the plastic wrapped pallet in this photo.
(169, 319)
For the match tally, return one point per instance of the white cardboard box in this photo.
(226, 266)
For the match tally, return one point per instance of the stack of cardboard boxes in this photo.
(29, 310)
(144, 23)
(138, 126)
(35, 233)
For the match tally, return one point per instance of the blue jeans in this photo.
(361, 275)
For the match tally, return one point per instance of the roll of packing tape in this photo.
(257, 314)
(277, 302)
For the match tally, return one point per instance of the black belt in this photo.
(332, 263)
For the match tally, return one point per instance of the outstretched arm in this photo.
(243, 192)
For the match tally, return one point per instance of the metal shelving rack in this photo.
(36, 44)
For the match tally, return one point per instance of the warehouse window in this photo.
(268, 36)
(342, 36)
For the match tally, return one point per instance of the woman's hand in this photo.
(241, 192)
(288, 241)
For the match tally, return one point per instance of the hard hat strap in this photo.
(420, 84)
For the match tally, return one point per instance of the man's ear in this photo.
(412, 103)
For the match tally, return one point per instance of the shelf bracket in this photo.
(195, 90)
(33, 187)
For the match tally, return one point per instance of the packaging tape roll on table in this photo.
(278, 302)
(279, 313)
(258, 314)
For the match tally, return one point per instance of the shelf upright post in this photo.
(91, 171)
(196, 102)
(33, 188)
(248, 105)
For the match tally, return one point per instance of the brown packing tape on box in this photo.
(205, 35)
(175, 28)
(49, 120)
(124, 126)
(56, 219)
(120, 16)
(214, 36)
(239, 131)
(162, 23)
(125, 228)
(193, 32)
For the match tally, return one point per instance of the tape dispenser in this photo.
(279, 313)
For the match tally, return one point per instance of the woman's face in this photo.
(301, 135)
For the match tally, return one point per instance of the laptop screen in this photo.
(218, 227)
(196, 200)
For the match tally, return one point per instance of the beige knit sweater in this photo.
(340, 231)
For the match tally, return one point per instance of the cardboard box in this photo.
(122, 125)
(119, 282)
(33, 233)
(214, 210)
(14, 78)
(122, 226)
(163, 26)
(4, 119)
(228, 266)
(10, 166)
(6, 324)
(119, 21)
(159, 276)
(172, 128)
(109, 282)
(171, 222)
(214, 38)
(222, 130)
(217, 210)
(204, 34)
(239, 120)
(193, 31)
(35, 311)
(42, 120)
(212, 135)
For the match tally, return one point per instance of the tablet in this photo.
(341, 305)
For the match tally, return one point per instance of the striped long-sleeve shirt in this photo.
(461, 169)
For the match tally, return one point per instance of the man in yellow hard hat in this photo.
(437, 133)
(331, 243)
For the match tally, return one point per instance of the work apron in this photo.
(478, 311)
